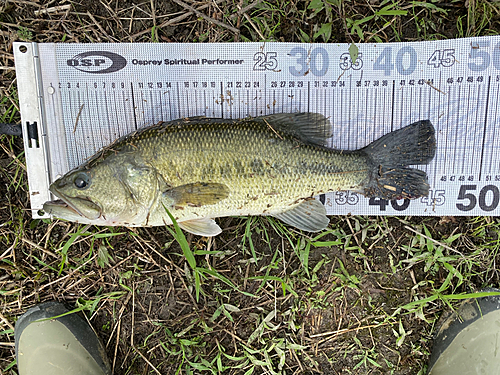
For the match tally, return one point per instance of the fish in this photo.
(202, 168)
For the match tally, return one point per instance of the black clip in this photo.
(32, 130)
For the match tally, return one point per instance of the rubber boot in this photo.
(468, 341)
(62, 346)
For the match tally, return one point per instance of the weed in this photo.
(25, 34)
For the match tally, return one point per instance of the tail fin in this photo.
(389, 157)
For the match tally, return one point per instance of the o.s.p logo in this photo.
(98, 62)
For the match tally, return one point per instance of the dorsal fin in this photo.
(311, 128)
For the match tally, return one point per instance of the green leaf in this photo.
(188, 254)
(353, 52)
(325, 31)
(316, 5)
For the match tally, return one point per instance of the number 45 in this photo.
(445, 57)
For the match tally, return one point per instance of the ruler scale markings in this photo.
(375, 106)
(240, 106)
(325, 101)
(354, 123)
(455, 144)
(464, 138)
(438, 126)
(90, 127)
(484, 128)
(196, 100)
(126, 124)
(447, 137)
(152, 108)
(495, 141)
(308, 96)
(342, 140)
(493, 133)
(399, 123)
(106, 130)
(103, 138)
(141, 112)
(178, 96)
(367, 110)
(367, 123)
(247, 100)
(65, 94)
(110, 128)
(392, 104)
(52, 107)
(477, 122)
(471, 144)
(171, 105)
(116, 113)
(163, 116)
(133, 104)
(479, 133)
(349, 117)
(205, 107)
(221, 98)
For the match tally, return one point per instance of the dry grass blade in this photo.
(204, 16)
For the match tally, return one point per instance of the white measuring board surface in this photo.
(81, 97)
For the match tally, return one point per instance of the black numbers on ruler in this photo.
(442, 57)
(452, 80)
(493, 178)
(265, 61)
(196, 84)
(240, 85)
(413, 82)
(398, 205)
(488, 199)
(289, 84)
(325, 84)
(96, 85)
(458, 178)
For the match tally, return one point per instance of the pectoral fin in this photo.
(201, 227)
(197, 194)
(310, 216)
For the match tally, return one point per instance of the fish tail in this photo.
(390, 156)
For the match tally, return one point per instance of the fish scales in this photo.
(201, 168)
(265, 170)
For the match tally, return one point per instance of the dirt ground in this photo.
(342, 314)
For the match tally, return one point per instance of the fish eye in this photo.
(81, 181)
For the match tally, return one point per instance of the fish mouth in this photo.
(72, 208)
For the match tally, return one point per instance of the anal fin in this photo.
(202, 227)
(310, 216)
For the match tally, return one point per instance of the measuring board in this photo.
(78, 98)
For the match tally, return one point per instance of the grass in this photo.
(362, 297)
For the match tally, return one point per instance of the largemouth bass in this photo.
(203, 168)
